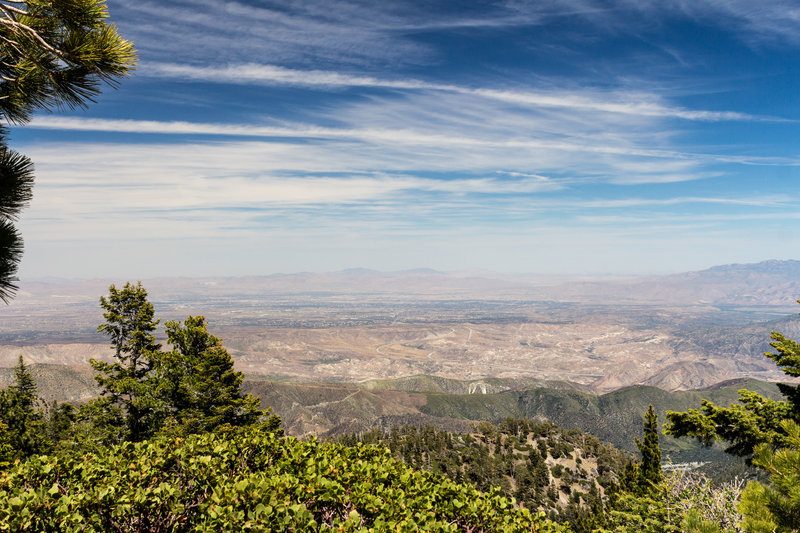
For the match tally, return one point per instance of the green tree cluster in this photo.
(192, 388)
(755, 420)
(646, 500)
(53, 54)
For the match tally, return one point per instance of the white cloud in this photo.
(753, 201)
(622, 102)
(213, 32)
(380, 33)
(303, 148)
(373, 134)
(219, 190)
(107, 178)
(430, 132)
(767, 19)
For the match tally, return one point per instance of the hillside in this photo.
(545, 468)
(616, 417)
(426, 383)
(60, 383)
(328, 409)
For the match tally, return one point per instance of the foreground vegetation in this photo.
(175, 445)
(251, 478)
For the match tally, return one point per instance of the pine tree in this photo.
(775, 507)
(7, 451)
(55, 54)
(20, 412)
(192, 388)
(198, 382)
(24, 387)
(650, 467)
(129, 324)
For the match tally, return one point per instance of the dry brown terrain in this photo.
(360, 325)
(603, 356)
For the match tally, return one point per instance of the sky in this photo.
(579, 137)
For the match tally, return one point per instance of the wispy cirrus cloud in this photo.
(169, 182)
(339, 31)
(236, 175)
(357, 33)
(622, 102)
(400, 136)
(756, 201)
(631, 164)
(769, 19)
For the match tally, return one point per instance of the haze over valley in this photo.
(676, 332)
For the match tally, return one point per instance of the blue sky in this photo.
(561, 137)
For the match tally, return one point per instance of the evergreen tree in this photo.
(197, 380)
(24, 387)
(129, 324)
(96, 425)
(22, 416)
(192, 388)
(775, 507)
(60, 424)
(55, 54)
(787, 357)
(650, 467)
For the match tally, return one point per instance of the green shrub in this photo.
(246, 479)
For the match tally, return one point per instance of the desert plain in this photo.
(677, 332)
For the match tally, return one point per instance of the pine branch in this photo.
(10, 253)
(19, 28)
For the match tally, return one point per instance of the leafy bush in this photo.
(246, 479)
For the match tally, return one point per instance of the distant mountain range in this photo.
(769, 283)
